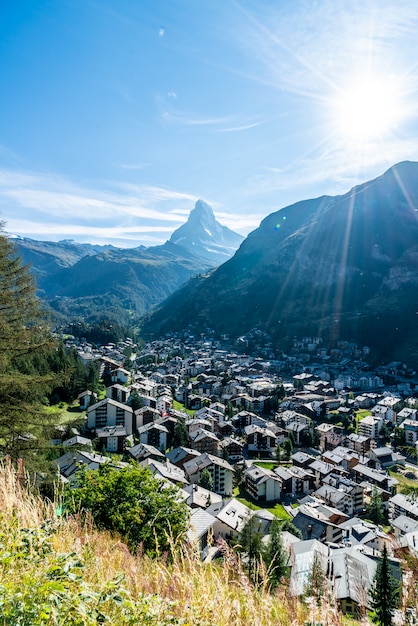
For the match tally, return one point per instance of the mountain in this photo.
(47, 257)
(84, 280)
(121, 283)
(343, 267)
(205, 237)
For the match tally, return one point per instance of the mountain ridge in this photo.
(77, 279)
(341, 266)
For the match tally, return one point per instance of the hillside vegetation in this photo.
(58, 571)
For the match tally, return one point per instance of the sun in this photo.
(367, 109)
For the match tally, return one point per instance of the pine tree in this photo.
(375, 510)
(275, 556)
(384, 592)
(206, 480)
(316, 581)
(251, 545)
(25, 381)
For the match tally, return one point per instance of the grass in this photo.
(278, 509)
(178, 406)
(266, 464)
(403, 480)
(65, 413)
(62, 572)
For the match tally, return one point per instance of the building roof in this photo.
(405, 524)
(200, 522)
(353, 574)
(200, 497)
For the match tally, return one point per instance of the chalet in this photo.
(143, 451)
(348, 486)
(119, 393)
(316, 520)
(361, 473)
(179, 456)
(86, 398)
(330, 436)
(205, 441)
(262, 484)
(321, 470)
(403, 524)
(296, 424)
(336, 498)
(220, 470)
(113, 438)
(302, 459)
(382, 458)
(232, 447)
(201, 530)
(109, 412)
(358, 443)
(302, 556)
(352, 574)
(77, 440)
(154, 434)
(166, 471)
(295, 481)
(70, 462)
(260, 440)
(146, 415)
(231, 517)
(120, 375)
(403, 505)
(198, 497)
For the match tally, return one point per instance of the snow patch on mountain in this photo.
(205, 236)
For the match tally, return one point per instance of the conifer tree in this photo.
(375, 510)
(23, 338)
(384, 592)
(275, 556)
(251, 545)
(206, 480)
(316, 581)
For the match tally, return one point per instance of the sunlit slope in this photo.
(344, 266)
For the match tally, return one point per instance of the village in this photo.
(315, 437)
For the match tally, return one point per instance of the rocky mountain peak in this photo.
(203, 235)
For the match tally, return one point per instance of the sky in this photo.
(116, 117)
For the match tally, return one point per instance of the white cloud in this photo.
(33, 203)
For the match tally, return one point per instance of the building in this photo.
(220, 470)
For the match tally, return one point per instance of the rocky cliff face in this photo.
(344, 266)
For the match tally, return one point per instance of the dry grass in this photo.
(184, 591)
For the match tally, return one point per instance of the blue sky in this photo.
(115, 117)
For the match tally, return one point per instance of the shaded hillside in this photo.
(122, 283)
(47, 257)
(341, 267)
(104, 282)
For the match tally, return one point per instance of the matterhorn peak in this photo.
(203, 235)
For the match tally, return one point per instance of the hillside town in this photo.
(316, 437)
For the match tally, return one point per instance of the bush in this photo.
(147, 512)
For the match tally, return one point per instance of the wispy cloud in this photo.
(236, 129)
(189, 119)
(32, 203)
(132, 166)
